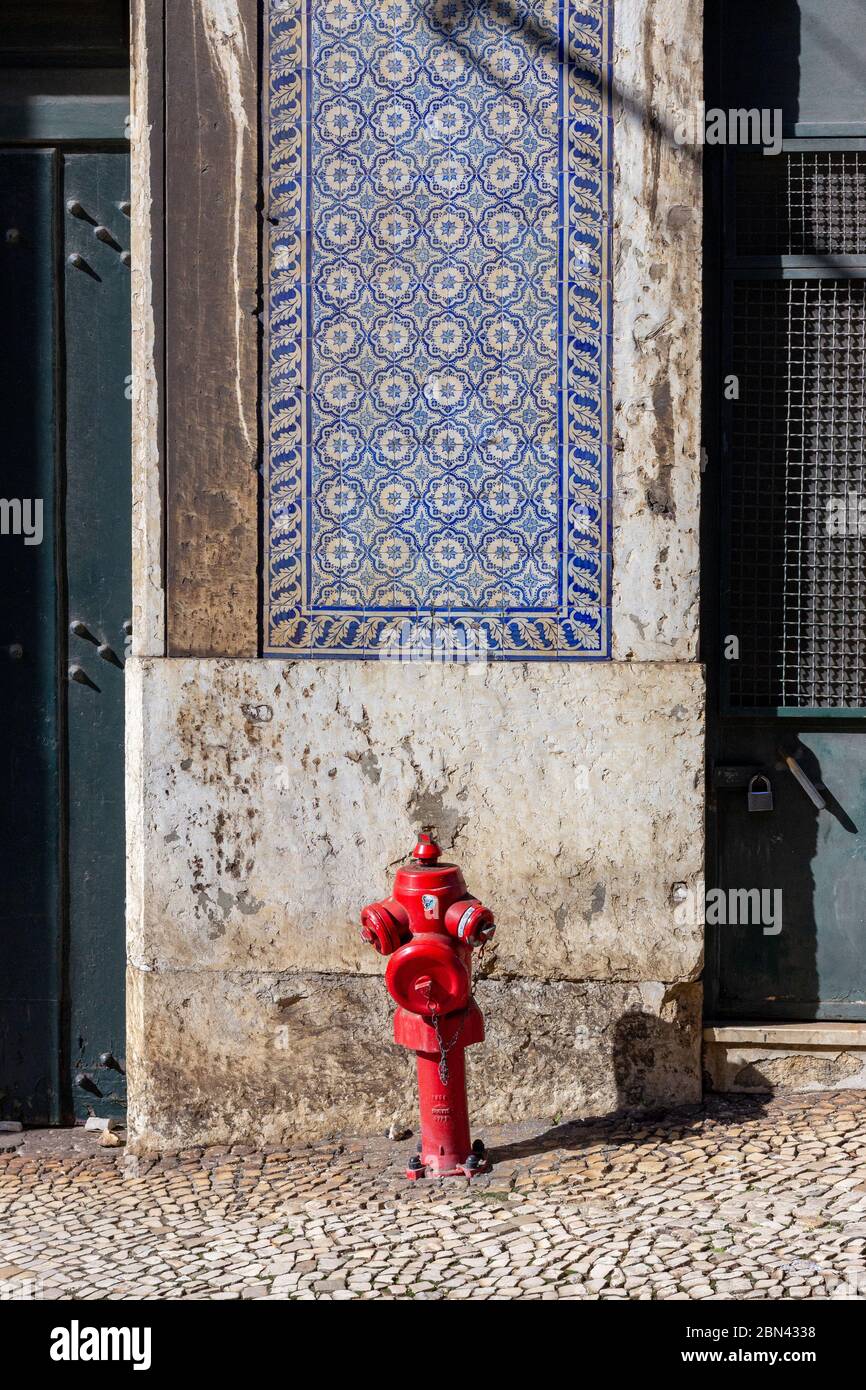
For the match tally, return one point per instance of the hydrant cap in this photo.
(427, 976)
(426, 851)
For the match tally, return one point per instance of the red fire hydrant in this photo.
(429, 927)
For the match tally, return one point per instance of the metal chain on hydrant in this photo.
(444, 1048)
(437, 1029)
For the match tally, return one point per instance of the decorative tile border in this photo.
(439, 327)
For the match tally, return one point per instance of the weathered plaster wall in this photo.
(276, 800)
(148, 588)
(260, 1056)
(272, 801)
(268, 801)
(658, 71)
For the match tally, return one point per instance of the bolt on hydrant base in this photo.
(429, 928)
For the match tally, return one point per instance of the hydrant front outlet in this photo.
(429, 928)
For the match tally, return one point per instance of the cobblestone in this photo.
(739, 1198)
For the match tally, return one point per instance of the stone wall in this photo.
(268, 801)
(272, 801)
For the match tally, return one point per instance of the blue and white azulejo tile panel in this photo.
(438, 343)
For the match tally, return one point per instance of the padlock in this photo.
(760, 798)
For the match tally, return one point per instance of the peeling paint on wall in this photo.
(148, 590)
(657, 324)
(228, 47)
(571, 802)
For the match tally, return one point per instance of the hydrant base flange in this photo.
(462, 1170)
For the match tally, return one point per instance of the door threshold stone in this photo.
(778, 1058)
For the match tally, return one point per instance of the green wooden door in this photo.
(65, 608)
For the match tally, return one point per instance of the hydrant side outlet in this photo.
(429, 928)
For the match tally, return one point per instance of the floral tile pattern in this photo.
(438, 327)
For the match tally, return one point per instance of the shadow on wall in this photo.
(640, 1043)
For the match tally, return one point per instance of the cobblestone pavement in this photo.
(737, 1199)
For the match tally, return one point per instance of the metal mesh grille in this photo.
(807, 203)
(797, 592)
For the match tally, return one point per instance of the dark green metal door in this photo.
(785, 605)
(65, 609)
(805, 957)
(97, 528)
(30, 772)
